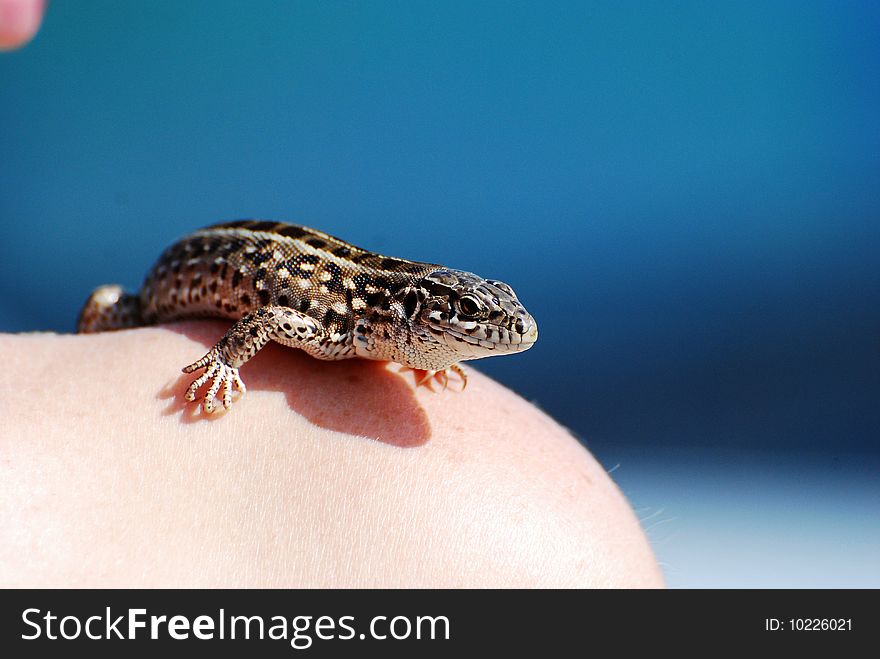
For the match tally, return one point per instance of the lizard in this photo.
(306, 289)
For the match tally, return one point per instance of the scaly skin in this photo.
(305, 289)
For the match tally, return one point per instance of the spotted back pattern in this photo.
(230, 269)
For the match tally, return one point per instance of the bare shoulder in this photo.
(327, 474)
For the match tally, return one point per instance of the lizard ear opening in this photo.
(410, 304)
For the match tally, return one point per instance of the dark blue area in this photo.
(686, 195)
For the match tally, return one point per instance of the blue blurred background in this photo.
(686, 195)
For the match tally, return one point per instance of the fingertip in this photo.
(19, 21)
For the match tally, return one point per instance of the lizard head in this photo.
(472, 317)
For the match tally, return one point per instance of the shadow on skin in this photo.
(353, 396)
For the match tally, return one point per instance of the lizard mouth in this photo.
(507, 341)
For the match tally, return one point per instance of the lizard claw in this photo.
(425, 377)
(220, 375)
(461, 373)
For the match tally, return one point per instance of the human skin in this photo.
(19, 21)
(325, 474)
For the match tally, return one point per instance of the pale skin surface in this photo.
(19, 22)
(326, 474)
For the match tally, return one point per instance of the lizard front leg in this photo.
(425, 376)
(243, 340)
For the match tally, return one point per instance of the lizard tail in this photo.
(109, 308)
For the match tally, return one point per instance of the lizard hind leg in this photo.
(109, 308)
(243, 340)
(219, 374)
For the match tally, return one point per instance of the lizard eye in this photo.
(469, 306)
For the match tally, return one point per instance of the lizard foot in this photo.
(427, 377)
(220, 375)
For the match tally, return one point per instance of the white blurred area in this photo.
(756, 520)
